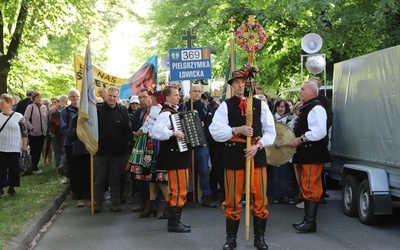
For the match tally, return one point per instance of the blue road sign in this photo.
(190, 64)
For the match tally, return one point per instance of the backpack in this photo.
(55, 122)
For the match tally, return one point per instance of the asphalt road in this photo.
(75, 228)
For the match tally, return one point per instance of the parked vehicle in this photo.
(293, 92)
(366, 133)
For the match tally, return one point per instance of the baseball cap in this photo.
(134, 99)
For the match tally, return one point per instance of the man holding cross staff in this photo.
(246, 125)
(229, 126)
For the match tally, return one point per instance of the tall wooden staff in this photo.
(189, 37)
(232, 58)
(251, 48)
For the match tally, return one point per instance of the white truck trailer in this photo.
(366, 133)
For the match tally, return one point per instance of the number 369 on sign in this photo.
(191, 55)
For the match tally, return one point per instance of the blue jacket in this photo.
(78, 148)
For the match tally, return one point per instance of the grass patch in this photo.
(34, 194)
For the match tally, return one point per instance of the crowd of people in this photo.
(138, 153)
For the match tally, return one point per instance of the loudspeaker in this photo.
(315, 64)
(165, 62)
(311, 43)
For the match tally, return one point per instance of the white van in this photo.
(293, 92)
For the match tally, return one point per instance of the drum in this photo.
(280, 152)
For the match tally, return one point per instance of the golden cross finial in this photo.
(251, 35)
(231, 20)
(252, 19)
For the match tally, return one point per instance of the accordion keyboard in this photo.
(189, 123)
(177, 125)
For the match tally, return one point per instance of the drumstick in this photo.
(277, 145)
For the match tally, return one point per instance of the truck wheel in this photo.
(349, 195)
(365, 204)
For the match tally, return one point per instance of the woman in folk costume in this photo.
(144, 154)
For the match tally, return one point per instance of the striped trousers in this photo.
(310, 180)
(234, 190)
(178, 182)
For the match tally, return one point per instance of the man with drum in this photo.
(326, 103)
(229, 126)
(311, 153)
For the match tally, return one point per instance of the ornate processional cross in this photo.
(251, 36)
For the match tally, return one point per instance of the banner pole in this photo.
(91, 184)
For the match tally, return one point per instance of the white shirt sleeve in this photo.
(221, 131)
(151, 119)
(316, 123)
(219, 128)
(162, 129)
(268, 126)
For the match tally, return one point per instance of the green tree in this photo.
(12, 22)
(40, 37)
(348, 29)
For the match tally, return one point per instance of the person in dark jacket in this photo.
(201, 154)
(65, 120)
(80, 164)
(216, 150)
(111, 157)
(22, 105)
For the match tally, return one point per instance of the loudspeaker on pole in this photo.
(311, 43)
(165, 63)
(315, 64)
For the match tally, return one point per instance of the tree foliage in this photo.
(39, 37)
(348, 29)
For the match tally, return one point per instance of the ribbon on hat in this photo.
(250, 84)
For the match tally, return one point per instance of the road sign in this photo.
(190, 64)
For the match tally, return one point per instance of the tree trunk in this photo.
(5, 69)
(5, 58)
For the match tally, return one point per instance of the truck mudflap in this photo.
(378, 186)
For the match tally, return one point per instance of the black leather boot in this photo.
(299, 223)
(98, 206)
(151, 209)
(115, 206)
(165, 215)
(259, 232)
(310, 223)
(232, 227)
(174, 221)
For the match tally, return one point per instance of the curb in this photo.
(25, 238)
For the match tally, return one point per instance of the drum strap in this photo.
(298, 109)
(254, 140)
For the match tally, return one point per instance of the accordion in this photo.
(189, 123)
